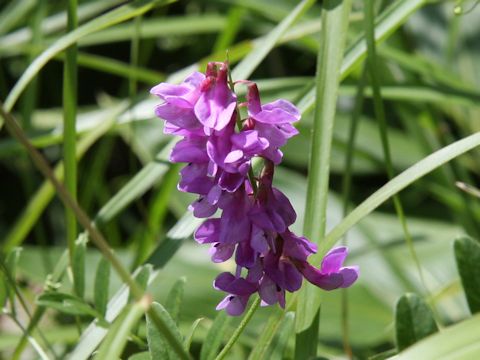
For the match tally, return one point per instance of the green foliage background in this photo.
(406, 119)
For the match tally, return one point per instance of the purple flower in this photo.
(252, 225)
(217, 103)
(239, 290)
(273, 121)
(331, 274)
(179, 102)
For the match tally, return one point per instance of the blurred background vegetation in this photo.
(429, 69)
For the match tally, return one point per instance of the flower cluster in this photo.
(255, 216)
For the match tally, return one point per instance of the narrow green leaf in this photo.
(78, 265)
(102, 284)
(142, 278)
(392, 18)
(157, 344)
(335, 17)
(175, 298)
(214, 337)
(113, 345)
(3, 291)
(467, 255)
(189, 338)
(12, 261)
(413, 321)
(261, 348)
(280, 342)
(145, 355)
(113, 17)
(14, 12)
(457, 342)
(261, 49)
(66, 303)
(70, 135)
(45, 193)
(398, 183)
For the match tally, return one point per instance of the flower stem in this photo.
(239, 329)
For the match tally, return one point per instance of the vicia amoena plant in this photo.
(219, 148)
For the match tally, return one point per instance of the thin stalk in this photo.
(233, 339)
(95, 235)
(346, 191)
(335, 15)
(380, 115)
(69, 127)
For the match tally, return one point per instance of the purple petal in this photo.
(325, 281)
(208, 232)
(283, 207)
(297, 247)
(190, 150)
(249, 142)
(235, 286)
(350, 275)
(202, 208)
(334, 259)
(194, 179)
(268, 291)
(233, 305)
(258, 240)
(231, 182)
(233, 156)
(221, 252)
(278, 112)
(245, 256)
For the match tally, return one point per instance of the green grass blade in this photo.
(261, 49)
(113, 17)
(175, 298)
(458, 342)
(189, 338)
(215, 336)
(261, 349)
(118, 334)
(101, 287)
(379, 111)
(78, 266)
(332, 41)
(390, 20)
(398, 183)
(157, 344)
(45, 193)
(69, 127)
(14, 12)
(239, 330)
(233, 24)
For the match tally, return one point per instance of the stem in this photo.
(239, 329)
(95, 235)
(346, 190)
(69, 128)
(335, 15)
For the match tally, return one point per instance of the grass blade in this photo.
(398, 183)
(214, 337)
(102, 283)
(458, 342)
(261, 49)
(78, 266)
(113, 17)
(334, 21)
(69, 127)
(118, 334)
